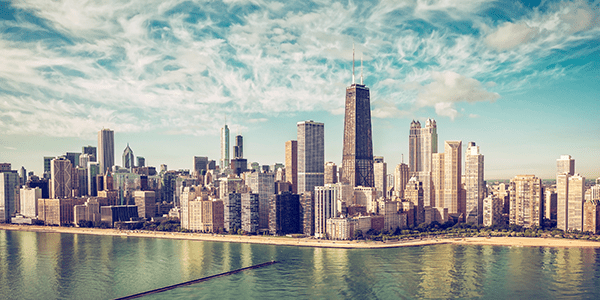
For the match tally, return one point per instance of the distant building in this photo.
(146, 203)
(60, 184)
(89, 211)
(330, 173)
(401, 177)
(284, 214)
(118, 213)
(591, 216)
(550, 204)
(57, 211)
(29, 201)
(365, 196)
(224, 162)
(380, 175)
(9, 183)
(262, 184)
(206, 216)
(474, 184)
(250, 212)
(414, 193)
(128, 158)
(311, 155)
(291, 164)
(90, 151)
(106, 150)
(232, 212)
(453, 180)
(326, 198)
(565, 164)
(73, 157)
(200, 164)
(341, 228)
(526, 201)
(492, 210)
(307, 212)
(422, 144)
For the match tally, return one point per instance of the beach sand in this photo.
(312, 242)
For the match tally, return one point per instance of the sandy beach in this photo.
(311, 242)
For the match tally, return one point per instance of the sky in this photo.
(520, 79)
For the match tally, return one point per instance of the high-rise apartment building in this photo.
(250, 212)
(291, 164)
(326, 199)
(146, 203)
(452, 179)
(106, 150)
(91, 151)
(474, 184)
(565, 164)
(263, 185)
(330, 173)
(128, 158)
(232, 212)
(526, 201)
(200, 164)
(575, 202)
(401, 177)
(380, 176)
(93, 169)
(311, 155)
(9, 182)
(357, 155)
(437, 179)
(60, 182)
(224, 162)
(414, 194)
(29, 198)
(284, 214)
(239, 164)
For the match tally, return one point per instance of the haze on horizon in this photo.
(518, 78)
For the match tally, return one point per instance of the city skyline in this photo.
(518, 79)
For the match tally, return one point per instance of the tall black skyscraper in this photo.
(357, 159)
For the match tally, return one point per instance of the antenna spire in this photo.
(402, 157)
(361, 70)
(353, 63)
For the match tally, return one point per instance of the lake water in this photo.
(37, 265)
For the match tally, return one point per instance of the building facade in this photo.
(380, 176)
(291, 164)
(311, 155)
(106, 150)
(224, 161)
(526, 201)
(474, 184)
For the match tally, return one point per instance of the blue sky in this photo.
(521, 79)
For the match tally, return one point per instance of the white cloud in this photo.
(510, 35)
(449, 88)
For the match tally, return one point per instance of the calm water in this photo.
(70, 266)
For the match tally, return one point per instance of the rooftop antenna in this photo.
(353, 63)
(402, 157)
(361, 69)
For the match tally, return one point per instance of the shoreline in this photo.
(311, 242)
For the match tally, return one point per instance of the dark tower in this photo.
(357, 159)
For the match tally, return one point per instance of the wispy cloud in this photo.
(71, 67)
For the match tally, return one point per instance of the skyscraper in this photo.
(9, 182)
(330, 173)
(224, 162)
(128, 158)
(380, 176)
(200, 164)
(401, 177)
(526, 201)
(106, 149)
(452, 179)
(423, 142)
(60, 184)
(89, 150)
(474, 184)
(239, 164)
(569, 204)
(565, 164)
(311, 155)
(291, 164)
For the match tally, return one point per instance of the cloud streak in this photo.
(71, 67)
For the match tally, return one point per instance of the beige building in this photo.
(29, 201)
(89, 211)
(401, 177)
(291, 164)
(57, 211)
(575, 202)
(341, 228)
(146, 203)
(591, 216)
(326, 200)
(414, 193)
(380, 172)
(366, 196)
(330, 173)
(526, 201)
(474, 184)
(452, 179)
(492, 210)
(206, 216)
(437, 178)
